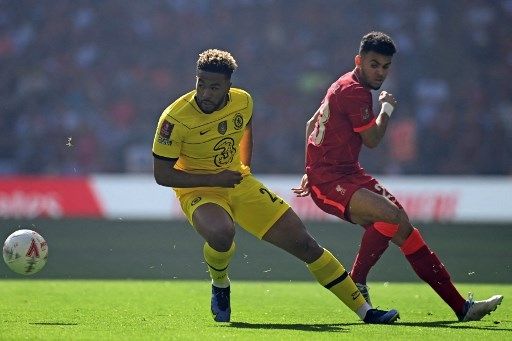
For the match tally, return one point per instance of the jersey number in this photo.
(227, 150)
(272, 196)
(323, 117)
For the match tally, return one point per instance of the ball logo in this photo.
(33, 251)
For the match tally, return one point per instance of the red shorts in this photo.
(334, 197)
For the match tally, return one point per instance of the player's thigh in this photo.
(366, 207)
(290, 234)
(210, 214)
(255, 207)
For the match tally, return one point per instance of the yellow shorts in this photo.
(250, 204)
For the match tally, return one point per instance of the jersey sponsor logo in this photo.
(195, 201)
(238, 121)
(226, 151)
(223, 127)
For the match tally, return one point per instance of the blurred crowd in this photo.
(82, 83)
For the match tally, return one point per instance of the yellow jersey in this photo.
(204, 143)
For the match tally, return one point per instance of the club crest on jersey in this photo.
(341, 190)
(238, 121)
(223, 127)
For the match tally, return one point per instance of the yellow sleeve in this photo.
(168, 138)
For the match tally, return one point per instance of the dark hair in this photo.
(218, 61)
(377, 42)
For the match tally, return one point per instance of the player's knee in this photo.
(222, 239)
(404, 229)
(308, 250)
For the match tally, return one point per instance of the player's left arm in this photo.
(374, 134)
(246, 144)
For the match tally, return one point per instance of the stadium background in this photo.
(83, 83)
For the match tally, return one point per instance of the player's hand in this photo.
(228, 178)
(303, 189)
(385, 96)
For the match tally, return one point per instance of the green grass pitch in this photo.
(266, 310)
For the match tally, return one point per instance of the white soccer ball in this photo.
(25, 252)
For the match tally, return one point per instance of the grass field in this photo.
(165, 310)
(132, 280)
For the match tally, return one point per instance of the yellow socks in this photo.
(329, 272)
(218, 263)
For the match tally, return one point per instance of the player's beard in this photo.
(212, 107)
(365, 78)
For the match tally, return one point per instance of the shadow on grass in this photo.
(330, 327)
(55, 323)
(450, 324)
(319, 327)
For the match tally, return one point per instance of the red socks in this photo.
(372, 247)
(423, 261)
(430, 269)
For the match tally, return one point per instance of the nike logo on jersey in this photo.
(204, 132)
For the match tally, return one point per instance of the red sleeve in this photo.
(357, 105)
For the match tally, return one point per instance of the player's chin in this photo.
(376, 86)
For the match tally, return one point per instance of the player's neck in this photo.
(360, 78)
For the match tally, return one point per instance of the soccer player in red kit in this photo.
(340, 186)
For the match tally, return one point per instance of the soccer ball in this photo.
(25, 252)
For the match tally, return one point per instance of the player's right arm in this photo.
(166, 175)
(166, 152)
(373, 135)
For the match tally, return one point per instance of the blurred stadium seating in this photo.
(83, 82)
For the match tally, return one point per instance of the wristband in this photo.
(387, 108)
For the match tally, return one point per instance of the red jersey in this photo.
(334, 145)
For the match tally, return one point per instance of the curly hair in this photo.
(218, 61)
(377, 42)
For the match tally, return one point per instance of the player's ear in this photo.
(357, 60)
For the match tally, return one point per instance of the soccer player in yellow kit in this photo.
(202, 149)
